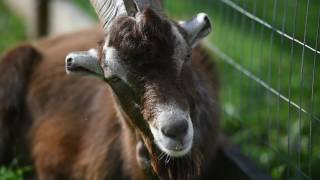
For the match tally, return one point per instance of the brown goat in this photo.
(77, 127)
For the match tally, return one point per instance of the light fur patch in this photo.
(112, 62)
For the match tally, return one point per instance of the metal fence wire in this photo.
(268, 57)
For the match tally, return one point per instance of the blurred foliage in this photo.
(12, 29)
(85, 5)
(13, 174)
(14, 171)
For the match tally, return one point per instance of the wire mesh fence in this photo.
(268, 56)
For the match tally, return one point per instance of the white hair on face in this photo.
(113, 63)
(165, 112)
(93, 52)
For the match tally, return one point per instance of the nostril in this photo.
(202, 18)
(69, 61)
(175, 130)
(206, 18)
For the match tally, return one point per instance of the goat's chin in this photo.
(175, 153)
(77, 73)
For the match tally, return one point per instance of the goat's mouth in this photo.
(75, 68)
(79, 70)
(176, 150)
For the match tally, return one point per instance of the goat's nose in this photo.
(176, 129)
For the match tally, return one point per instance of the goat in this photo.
(157, 118)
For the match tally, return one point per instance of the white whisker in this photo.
(168, 158)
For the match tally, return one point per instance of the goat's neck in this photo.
(130, 141)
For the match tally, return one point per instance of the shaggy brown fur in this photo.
(16, 67)
(75, 129)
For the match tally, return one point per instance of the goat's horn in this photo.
(108, 10)
(154, 4)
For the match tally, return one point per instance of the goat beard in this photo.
(187, 167)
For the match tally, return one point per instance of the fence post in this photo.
(42, 17)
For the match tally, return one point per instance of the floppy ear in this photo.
(84, 63)
(197, 28)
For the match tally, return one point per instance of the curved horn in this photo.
(108, 10)
(154, 4)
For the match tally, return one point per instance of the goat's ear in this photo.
(84, 63)
(197, 28)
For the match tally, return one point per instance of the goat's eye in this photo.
(114, 79)
(188, 57)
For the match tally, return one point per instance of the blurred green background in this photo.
(281, 138)
(11, 28)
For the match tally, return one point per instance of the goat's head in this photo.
(143, 58)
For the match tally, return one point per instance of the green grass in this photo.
(13, 173)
